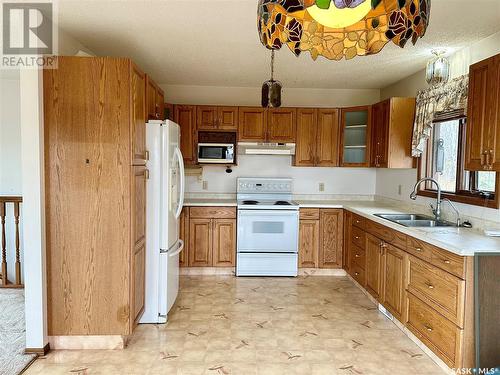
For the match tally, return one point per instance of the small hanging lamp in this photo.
(271, 89)
(438, 69)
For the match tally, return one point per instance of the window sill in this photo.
(472, 200)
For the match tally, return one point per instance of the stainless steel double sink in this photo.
(414, 220)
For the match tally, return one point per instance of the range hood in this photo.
(254, 148)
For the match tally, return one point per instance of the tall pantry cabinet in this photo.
(95, 185)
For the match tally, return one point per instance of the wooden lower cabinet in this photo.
(139, 275)
(184, 236)
(212, 236)
(393, 272)
(331, 238)
(373, 271)
(308, 243)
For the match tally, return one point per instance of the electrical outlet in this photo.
(205, 185)
(321, 186)
(399, 189)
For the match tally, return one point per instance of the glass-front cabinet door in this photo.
(355, 140)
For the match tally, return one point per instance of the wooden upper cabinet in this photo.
(185, 116)
(331, 238)
(228, 118)
(281, 125)
(373, 267)
(327, 149)
(483, 116)
(355, 136)
(307, 133)
(206, 117)
(154, 100)
(392, 129)
(138, 114)
(224, 242)
(393, 273)
(252, 124)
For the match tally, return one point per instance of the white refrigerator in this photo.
(165, 198)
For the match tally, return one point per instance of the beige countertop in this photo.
(461, 241)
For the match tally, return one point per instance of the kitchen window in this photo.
(443, 160)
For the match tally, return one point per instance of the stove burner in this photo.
(282, 203)
(250, 202)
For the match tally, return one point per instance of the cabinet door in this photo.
(355, 139)
(373, 266)
(308, 243)
(206, 117)
(327, 149)
(185, 116)
(252, 124)
(184, 235)
(393, 281)
(494, 131)
(331, 238)
(224, 242)
(139, 282)
(281, 125)
(160, 104)
(228, 118)
(200, 242)
(346, 256)
(138, 115)
(380, 131)
(477, 116)
(305, 152)
(150, 99)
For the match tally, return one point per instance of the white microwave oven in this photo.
(215, 153)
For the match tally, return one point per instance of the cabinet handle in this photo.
(429, 285)
(146, 155)
(146, 174)
(356, 273)
(357, 221)
(487, 164)
(428, 327)
(490, 159)
(357, 255)
(356, 237)
(418, 249)
(446, 261)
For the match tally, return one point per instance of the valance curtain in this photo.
(446, 97)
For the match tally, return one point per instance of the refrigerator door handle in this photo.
(179, 249)
(182, 176)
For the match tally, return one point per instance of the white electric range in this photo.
(268, 228)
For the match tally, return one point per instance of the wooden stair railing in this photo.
(5, 282)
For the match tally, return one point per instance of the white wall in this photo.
(351, 181)
(388, 180)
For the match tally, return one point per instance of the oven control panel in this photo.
(264, 185)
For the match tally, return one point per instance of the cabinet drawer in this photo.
(358, 237)
(438, 333)
(454, 264)
(212, 212)
(358, 255)
(309, 213)
(358, 274)
(358, 221)
(439, 289)
(389, 235)
(419, 248)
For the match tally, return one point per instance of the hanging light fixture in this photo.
(338, 29)
(438, 69)
(271, 89)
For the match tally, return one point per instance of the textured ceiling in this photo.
(215, 42)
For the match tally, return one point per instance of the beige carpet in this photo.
(12, 332)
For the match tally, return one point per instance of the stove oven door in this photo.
(268, 231)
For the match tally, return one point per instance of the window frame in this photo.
(425, 164)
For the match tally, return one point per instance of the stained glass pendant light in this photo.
(341, 28)
(438, 69)
(271, 89)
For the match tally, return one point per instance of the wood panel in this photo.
(477, 116)
(281, 125)
(138, 286)
(206, 117)
(185, 116)
(200, 242)
(358, 256)
(138, 113)
(327, 149)
(494, 128)
(387, 234)
(87, 120)
(308, 243)
(309, 213)
(224, 242)
(212, 212)
(160, 103)
(393, 298)
(346, 256)
(138, 200)
(358, 274)
(228, 118)
(150, 99)
(307, 135)
(359, 221)
(380, 132)
(184, 235)
(401, 119)
(373, 269)
(252, 124)
(331, 238)
(358, 237)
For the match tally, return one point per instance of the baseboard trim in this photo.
(107, 342)
(322, 272)
(207, 271)
(38, 351)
